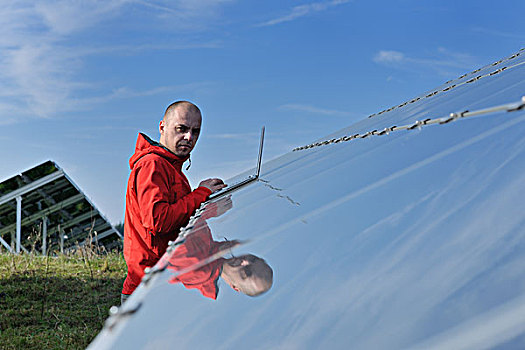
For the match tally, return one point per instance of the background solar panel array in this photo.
(70, 214)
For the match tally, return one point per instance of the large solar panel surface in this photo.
(411, 238)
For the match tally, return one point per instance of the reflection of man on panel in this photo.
(159, 199)
(248, 273)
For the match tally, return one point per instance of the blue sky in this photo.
(79, 79)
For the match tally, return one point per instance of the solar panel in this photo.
(43, 210)
(402, 231)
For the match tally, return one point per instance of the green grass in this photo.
(56, 302)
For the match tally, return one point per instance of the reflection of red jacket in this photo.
(197, 247)
(159, 201)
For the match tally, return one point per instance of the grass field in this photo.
(56, 302)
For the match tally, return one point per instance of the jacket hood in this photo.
(145, 145)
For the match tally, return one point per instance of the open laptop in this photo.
(249, 179)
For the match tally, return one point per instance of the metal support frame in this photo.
(49, 200)
(44, 235)
(18, 223)
(61, 234)
(107, 233)
(24, 249)
(52, 209)
(89, 215)
(22, 218)
(7, 246)
(98, 237)
(22, 190)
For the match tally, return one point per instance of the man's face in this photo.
(247, 273)
(180, 130)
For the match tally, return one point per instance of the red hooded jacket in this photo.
(197, 247)
(159, 201)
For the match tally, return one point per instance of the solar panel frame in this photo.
(48, 193)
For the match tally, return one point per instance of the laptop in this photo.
(248, 180)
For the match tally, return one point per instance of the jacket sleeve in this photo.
(160, 215)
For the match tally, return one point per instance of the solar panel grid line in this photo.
(105, 234)
(93, 205)
(8, 207)
(50, 193)
(450, 87)
(91, 233)
(57, 192)
(25, 189)
(509, 107)
(44, 212)
(52, 200)
(36, 173)
(93, 239)
(76, 220)
(44, 195)
(69, 241)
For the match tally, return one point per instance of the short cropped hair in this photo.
(186, 104)
(265, 276)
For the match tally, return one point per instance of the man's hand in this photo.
(215, 209)
(223, 205)
(213, 184)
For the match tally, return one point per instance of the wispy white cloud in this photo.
(67, 17)
(133, 49)
(388, 57)
(498, 33)
(442, 61)
(186, 14)
(6, 121)
(314, 110)
(234, 136)
(125, 92)
(41, 59)
(303, 10)
(156, 6)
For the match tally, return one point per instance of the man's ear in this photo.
(235, 288)
(161, 126)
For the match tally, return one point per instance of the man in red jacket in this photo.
(159, 199)
(199, 261)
